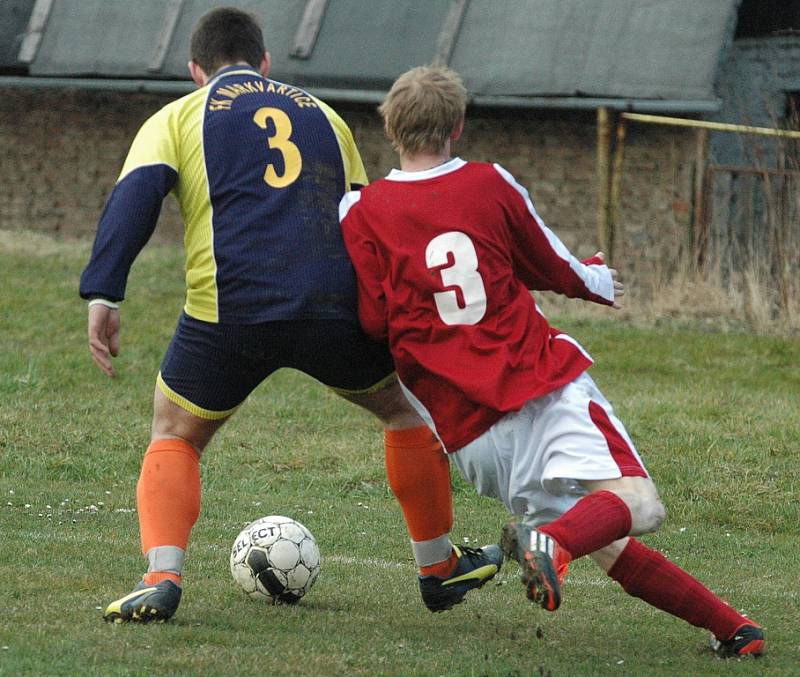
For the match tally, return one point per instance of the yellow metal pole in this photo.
(713, 126)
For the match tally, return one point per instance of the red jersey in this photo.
(445, 259)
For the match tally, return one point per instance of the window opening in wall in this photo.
(768, 17)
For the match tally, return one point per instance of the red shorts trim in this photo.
(620, 450)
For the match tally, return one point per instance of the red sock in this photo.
(594, 522)
(168, 498)
(419, 475)
(648, 575)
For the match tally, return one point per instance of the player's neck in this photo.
(420, 162)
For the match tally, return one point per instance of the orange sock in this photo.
(153, 577)
(419, 476)
(168, 499)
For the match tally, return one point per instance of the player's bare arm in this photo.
(103, 330)
(619, 287)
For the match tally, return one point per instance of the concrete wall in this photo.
(753, 82)
(62, 151)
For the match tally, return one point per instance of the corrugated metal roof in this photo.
(99, 37)
(667, 49)
(637, 49)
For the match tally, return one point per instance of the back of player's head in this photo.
(423, 108)
(226, 35)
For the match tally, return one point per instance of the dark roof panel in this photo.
(636, 49)
(613, 48)
(99, 37)
(279, 20)
(366, 45)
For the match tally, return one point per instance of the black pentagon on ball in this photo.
(270, 581)
(288, 598)
(257, 561)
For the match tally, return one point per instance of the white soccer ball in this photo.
(275, 559)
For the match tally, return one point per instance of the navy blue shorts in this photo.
(210, 369)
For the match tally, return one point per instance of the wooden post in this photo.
(699, 220)
(603, 177)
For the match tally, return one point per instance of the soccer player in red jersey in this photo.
(258, 168)
(446, 253)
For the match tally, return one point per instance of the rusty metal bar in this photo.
(713, 126)
(616, 187)
(603, 177)
(699, 220)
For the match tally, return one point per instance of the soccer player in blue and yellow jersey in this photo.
(258, 168)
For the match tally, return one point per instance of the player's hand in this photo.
(619, 288)
(104, 336)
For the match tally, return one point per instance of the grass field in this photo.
(716, 416)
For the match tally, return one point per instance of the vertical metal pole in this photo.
(616, 181)
(699, 220)
(603, 177)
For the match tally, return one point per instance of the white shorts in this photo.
(532, 459)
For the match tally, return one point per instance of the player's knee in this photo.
(648, 516)
(389, 405)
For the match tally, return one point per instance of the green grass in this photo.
(715, 416)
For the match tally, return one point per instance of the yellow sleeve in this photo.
(154, 144)
(355, 174)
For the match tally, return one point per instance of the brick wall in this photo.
(63, 149)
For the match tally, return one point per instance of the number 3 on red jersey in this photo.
(463, 273)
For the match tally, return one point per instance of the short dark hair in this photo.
(224, 36)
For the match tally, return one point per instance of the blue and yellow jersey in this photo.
(258, 168)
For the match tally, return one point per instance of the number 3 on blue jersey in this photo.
(463, 273)
(292, 160)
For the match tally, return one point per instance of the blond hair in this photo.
(423, 108)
